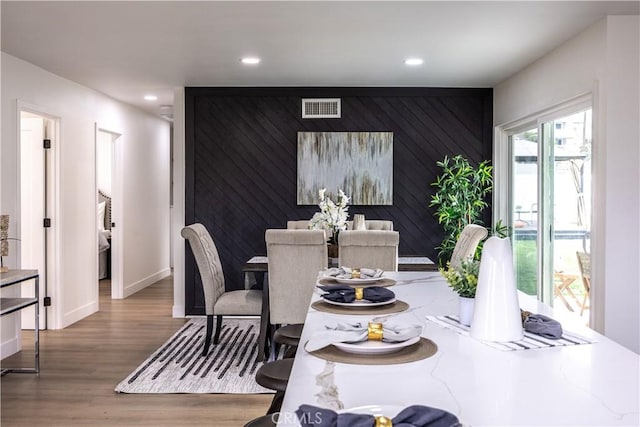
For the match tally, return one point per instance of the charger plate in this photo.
(423, 349)
(357, 282)
(370, 347)
(395, 307)
(360, 303)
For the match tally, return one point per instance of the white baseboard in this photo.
(78, 314)
(178, 311)
(147, 281)
(9, 347)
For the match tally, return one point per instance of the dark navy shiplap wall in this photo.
(241, 147)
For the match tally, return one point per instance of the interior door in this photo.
(36, 133)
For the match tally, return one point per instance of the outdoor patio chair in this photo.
(584, 264)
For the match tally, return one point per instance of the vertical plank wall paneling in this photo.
(241, 148)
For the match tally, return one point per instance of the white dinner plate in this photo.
(375, 347)
(356, 281)
(389, 411)
(359, 303)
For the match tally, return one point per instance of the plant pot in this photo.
(465, 310)
(332, 250)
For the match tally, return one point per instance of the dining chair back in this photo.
(295, 258)
(369, 248)
(298, 224)
(470, 237)
(374, 224)
(217, 301)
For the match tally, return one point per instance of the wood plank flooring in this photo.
(82, 364)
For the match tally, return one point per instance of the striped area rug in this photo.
(178, 367)
(529, 342)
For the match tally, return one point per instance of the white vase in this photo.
(358, 222)
(465, 310)
(496, 316)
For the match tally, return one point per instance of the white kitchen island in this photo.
(593, 384)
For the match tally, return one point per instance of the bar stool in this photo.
(263, 421)
(288, 336)
(275, 376)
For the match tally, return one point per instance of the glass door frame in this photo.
(503, 182)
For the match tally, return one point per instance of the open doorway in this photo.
(37, 224)
(107, 208)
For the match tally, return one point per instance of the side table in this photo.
(11, 305)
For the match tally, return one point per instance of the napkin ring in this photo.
(355, 273)
(382, 421)
(374, 331)
(359, 293)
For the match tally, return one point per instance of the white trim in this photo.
(502, 178)
(147, 281)
(117, 208)
(11, 346)
(598, 217)
(54, 313)
(177, 220)
(568, 106)
(78, 314)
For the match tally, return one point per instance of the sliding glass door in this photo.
(551, 209)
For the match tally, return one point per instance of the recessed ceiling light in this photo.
(150, 98)
(413, 61)
(250, 60)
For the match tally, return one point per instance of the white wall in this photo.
(145, 171)
(178, 210)
(604, 61)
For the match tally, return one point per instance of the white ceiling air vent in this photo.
(321, 108)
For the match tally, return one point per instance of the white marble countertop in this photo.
(588, 385)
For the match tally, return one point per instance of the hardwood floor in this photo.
(82, 364)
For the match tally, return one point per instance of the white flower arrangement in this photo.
(332, 216)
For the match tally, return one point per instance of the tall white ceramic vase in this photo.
(496, 315)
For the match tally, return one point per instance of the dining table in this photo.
(582, 379)
(258, 265)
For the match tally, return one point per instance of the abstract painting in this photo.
(359, 163)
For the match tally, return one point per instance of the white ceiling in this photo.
(126, 49)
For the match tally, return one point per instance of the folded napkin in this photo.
(356, 332)
(345, 273)
(541, 325)
(342, 293)
(411, 416)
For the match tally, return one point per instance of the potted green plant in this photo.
(463, 279)
(459, 199)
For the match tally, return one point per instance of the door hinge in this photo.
(47, 223)
(46, 143)
(47, 301)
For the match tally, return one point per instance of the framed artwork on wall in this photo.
(359, 163)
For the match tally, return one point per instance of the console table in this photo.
(10, 305)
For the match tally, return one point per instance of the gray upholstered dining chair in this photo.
(218, 302)
(296, 257)
(298, 224)
(369, 248)
(470, 236)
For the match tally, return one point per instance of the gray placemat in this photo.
(395, 307)
(421, 350)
